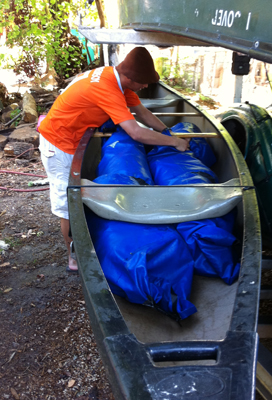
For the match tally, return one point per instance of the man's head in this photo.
(138, 66)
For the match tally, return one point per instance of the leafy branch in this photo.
(41, 29)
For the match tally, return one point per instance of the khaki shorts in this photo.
(57, 165)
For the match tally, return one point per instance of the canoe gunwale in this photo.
(115, 342)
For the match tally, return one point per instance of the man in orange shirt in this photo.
(88, 101)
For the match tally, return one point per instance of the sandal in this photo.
(72, 271)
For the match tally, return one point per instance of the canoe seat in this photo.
(161, 204)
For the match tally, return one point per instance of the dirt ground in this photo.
(47, 348)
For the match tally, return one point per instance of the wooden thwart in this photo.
(176, 114)
(178, 134)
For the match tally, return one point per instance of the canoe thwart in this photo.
(195, 134)
(161, 204)
(178, 134)
(175, 114)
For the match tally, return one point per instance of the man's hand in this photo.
(148, 136)
(182, 144)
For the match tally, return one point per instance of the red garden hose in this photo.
(22, 173)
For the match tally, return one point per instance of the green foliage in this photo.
(42, 31)
(13, 242)
(163, 67)
(187, 76)
(206, 99)
(183, 76)
(13, 114)
(179, 74)
(40, 109)
(7, 59)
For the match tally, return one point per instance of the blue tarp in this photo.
(209, 240)
(123, 155)
(169, 166)
(199, 146)
(146, 264)
(154, 264)
(116, 179)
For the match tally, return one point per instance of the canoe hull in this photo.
(251, 128)
(118, 340)
(244, 30)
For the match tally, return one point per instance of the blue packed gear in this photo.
(116, 179)
(199, 146)
(146, 264)
(123, 155)
(211, 244)
(210, 241)
(154, 264)
(134, 257)
(169, 166)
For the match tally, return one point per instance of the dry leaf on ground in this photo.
(6, 264)
(14, 394)
(71, 383)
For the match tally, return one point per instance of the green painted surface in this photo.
(90, 46)
(256, 125)
(240, 25)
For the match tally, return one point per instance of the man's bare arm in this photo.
(147, 118)
(148, 136)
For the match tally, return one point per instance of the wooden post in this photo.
(103, 24)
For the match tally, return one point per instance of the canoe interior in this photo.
(212, 297)
(214, 301)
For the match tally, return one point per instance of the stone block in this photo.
(25, 134)
(3, 141)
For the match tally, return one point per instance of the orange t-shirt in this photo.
(88, 101)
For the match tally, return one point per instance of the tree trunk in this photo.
(103, 24)
(101, 13)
